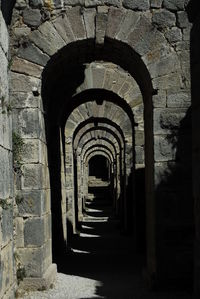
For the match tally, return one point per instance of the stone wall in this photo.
(7, 271)
(150, 40)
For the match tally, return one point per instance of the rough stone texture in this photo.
(150, 37)
(156, 3)
(136, 4)
(174, 35)
(174, 5)
(163, 18)
(7, 279)
(32, 17)
(182, 20)
(36, 3)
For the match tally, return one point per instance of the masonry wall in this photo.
(7, 270)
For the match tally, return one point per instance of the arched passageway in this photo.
(105, 98)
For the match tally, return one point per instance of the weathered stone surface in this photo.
(32, 53)
(174, 35)
(174, 5)
(34, 232)
(4, 173)
(3, 34)
(19, 239)
(163, 18)
(76, 21)
(159, 100)
(156, 3)
(32, 260)
(21, 4)
(23, 83)
(136, 4)
(101, 23)
(32, 17)
(7, 225)
(182, 19)
(178, 99)
(167, 120)
(32, 203)
(168, 63)
(47, 39)
(139, 138)
(164, 149)
(115, 17)
(128, 24)
(27, 68)
(33, 176)
(89, 19)
(168, 81)
(36, 3)
(63, 28)
(23, 100)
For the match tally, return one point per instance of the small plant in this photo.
(18, 149)
(21, 273)
(6, 108)
(5, 204)
(19, 199)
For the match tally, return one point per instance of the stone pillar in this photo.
(33, 235)
(7, 270)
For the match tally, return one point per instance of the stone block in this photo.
(163, 18)
(3, 74)
(30, 123)
(36, 3)
(139, 138)
(159, 100)
(139, 155)
(33, 176)
(32, 203)
(166, 65)
(24, 100)
(7, 225)
(32, 53)
(19, 230)
(5, 173)
(101, 24)
(32, 261)
(168, 120)
(115, 17)
(164, 149)
(26, 67)
(34, 232)
(44, 282)
(156, 3)
(174, 5)
(168, 81)
(182, 20)
(136, 4)
(174, 35)
(89, 19)
(47, 39)
(179, 99)
(3, 34)
(127, 25)
(64, 29)
(6, 269)
(76, 22)
(23, 83)
(31, 151)
(32, 17)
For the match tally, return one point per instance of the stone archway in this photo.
(126, 38)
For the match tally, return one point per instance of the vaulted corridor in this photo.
(103, 262)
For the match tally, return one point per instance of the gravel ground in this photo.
(102, 265)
